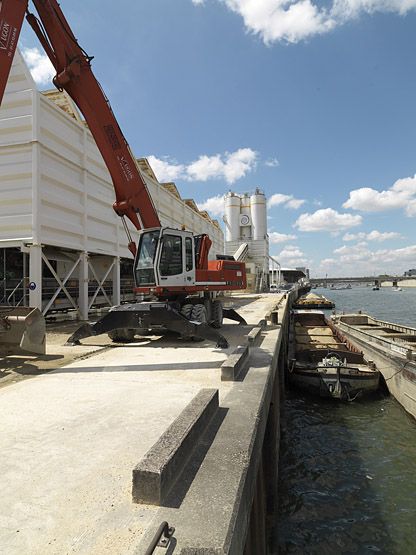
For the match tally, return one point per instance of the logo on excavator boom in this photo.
(4, 35)
(128, 173)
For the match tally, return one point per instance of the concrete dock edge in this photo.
(156, 474)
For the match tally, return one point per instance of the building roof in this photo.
(65, 102)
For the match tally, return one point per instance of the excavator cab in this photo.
(165, 258)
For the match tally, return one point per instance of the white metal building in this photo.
(56, 200)
(246, 224)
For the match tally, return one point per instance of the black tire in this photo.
(199, 313)
(186, 310)
(217, 314)
(121, 335)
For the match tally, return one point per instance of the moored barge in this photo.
(391, 346)
(313, 301)
(324, 362)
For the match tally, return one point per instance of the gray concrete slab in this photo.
(69, 440)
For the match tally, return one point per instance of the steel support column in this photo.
(116, 281)
(35, 276)
(83, 286)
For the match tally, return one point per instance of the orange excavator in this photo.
(176, 286)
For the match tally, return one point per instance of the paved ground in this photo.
(70, 438)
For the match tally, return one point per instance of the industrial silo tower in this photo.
(246, 235)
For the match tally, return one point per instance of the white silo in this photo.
(245, 218)
(232, 217)
(258, 215)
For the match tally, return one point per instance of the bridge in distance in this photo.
(365, 279)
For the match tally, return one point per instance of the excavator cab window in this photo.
(145, 273)
(189, 259)
(171, 263)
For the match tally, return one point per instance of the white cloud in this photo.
(39, 65)
(277, 199)
(372, 236)
(294, 203)
(288, 201)
(275, 20)
(198, 2)
(345, 10)
(327, 219)
(213, 205)
(360, 260)
(275, 237)
(290, 251)
(230, 166)
(166, 169)
(402, 194)
(361, 253)
(272, 163)
(292, 256)
(295, 20)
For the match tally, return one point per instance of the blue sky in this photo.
(313, 103)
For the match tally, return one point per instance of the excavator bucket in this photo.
(22, 328)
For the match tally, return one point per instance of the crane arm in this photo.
(75, 76)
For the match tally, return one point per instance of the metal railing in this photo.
(162, 537)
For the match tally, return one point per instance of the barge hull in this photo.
(394, 363)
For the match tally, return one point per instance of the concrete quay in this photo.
(71, 439)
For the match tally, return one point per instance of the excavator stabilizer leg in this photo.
(22, 328)
(231, 314)
(148, 315)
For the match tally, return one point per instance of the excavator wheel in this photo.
(217, 314)
(199, 314)
(121, 335)
(195, 313)
(186, 310)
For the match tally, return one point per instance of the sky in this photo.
(314, 103)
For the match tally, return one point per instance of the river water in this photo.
(347, 475)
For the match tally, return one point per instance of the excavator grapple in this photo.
(122, 321)
(22, 328)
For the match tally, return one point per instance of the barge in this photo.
(393, 349)
(324, 362)
(312, 300)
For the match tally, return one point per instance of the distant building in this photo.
(304, 270)
(410, 273)
(292, 275)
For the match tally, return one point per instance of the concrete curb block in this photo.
(155, 475)
(273, 313)
(231, 367)
(254, 336)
